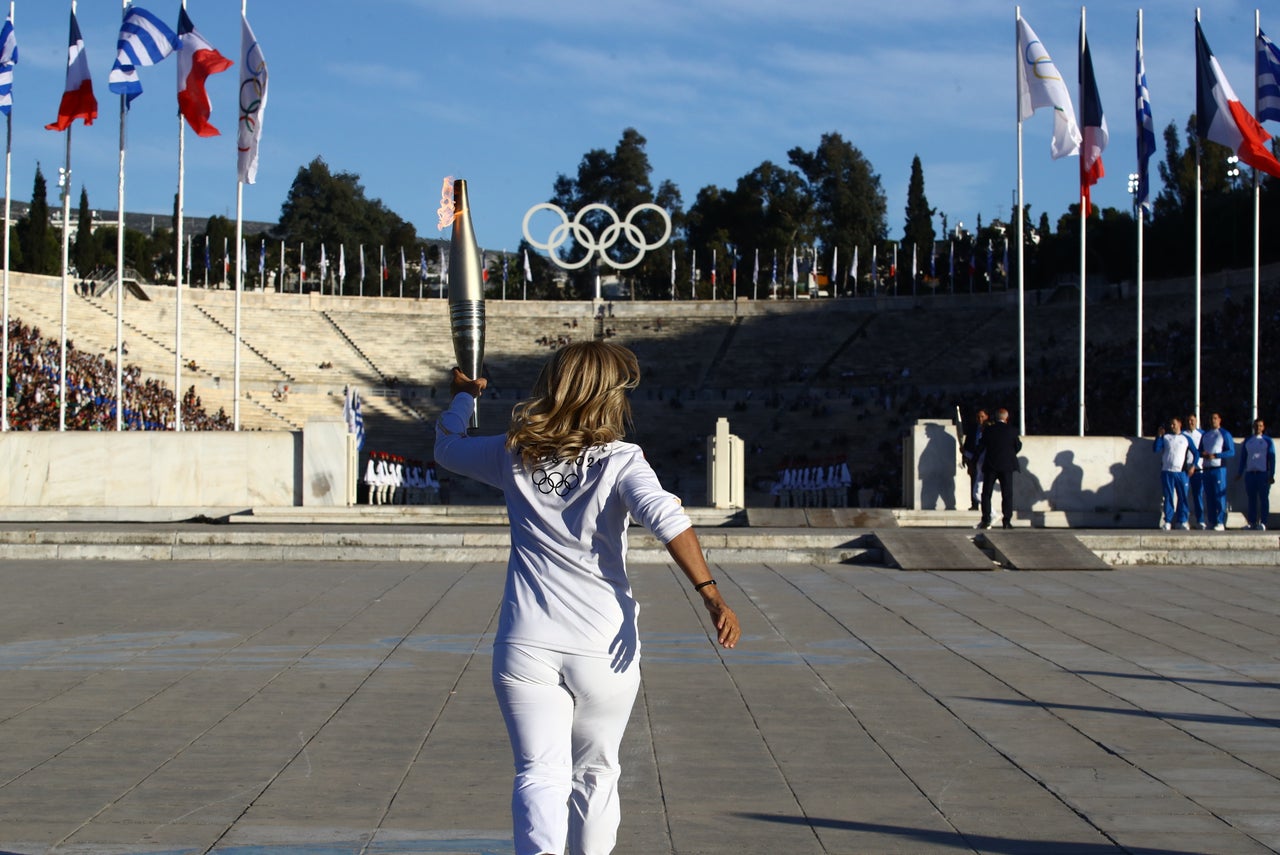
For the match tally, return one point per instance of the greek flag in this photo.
(8, 59)
(1146, 135)
(353, 417)
(1268, 67)
(144, 40)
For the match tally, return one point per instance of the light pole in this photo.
(1233, 175)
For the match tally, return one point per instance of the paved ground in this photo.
(325, 708)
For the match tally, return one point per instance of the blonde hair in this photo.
(579, 401)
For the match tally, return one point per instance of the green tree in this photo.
(621, 180)
(919, 231)
(848, 198)
(331, 209)
(85, 252)
(160, 252)
(1171, 243)
(919, 225)
(1177, 170)
(770, 209)
(16, 261)
(543, 284)
(220, 237)
(38, 243)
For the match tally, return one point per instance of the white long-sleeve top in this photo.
(1173, 448)
(567, 587)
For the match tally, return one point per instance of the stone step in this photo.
(1185, 548)
(437, 543)
(430, 515)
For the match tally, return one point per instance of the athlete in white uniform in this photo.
(565, 659)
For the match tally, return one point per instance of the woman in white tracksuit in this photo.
(566, 656)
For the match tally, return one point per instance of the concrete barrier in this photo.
(150, 469)
(1082, 477)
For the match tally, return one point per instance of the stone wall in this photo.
(150, 469)
(1090, 476)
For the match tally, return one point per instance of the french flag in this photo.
(1221, 118)
(77, 99)
(197, 59)
(1094, 125)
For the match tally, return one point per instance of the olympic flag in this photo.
(1041, 85)
(253, 101)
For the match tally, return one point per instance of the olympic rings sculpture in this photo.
(554, 482)
(608, 237)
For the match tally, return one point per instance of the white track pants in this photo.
(565, 716)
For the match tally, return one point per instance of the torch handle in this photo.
(466, 323)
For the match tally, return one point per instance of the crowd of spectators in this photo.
(33, 372)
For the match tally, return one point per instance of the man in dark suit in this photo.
(999, 449)
(972, 461)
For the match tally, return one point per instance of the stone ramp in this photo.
(918, 549)
(1041, 550)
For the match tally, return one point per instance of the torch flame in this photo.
(446, 212)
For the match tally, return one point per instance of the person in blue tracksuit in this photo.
(1216, 447)
(1178, 454)
(1258, 468)
(1195, 482)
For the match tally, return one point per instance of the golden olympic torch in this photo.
(466, 288)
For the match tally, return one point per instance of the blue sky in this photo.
(509, 93)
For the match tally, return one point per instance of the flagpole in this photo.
(1195, 397)
(1022, 326)
(65, 181)
(235, 360)
(8, 195)
(177, 312)
(1140, 212)
(124, 6)
(1083, 226)
(1257, 270)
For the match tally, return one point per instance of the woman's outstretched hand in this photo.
(723, 617)
(462, 383)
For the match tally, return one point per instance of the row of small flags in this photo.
(1220, 117)
(854, 270)
(341, 271)
(145, 40)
